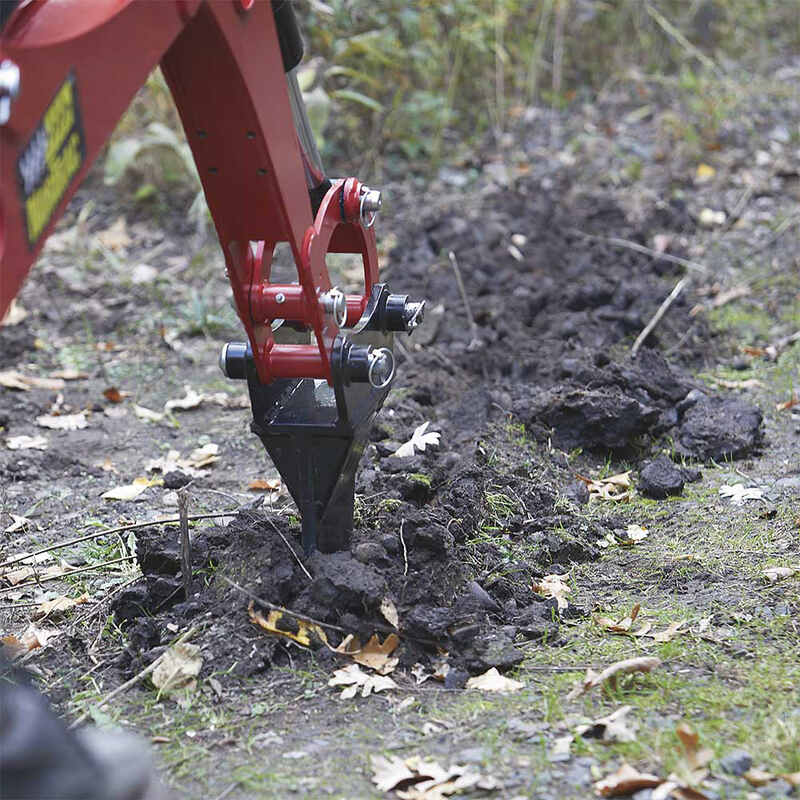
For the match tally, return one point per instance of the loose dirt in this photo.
(527, 376)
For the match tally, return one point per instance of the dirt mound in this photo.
(455, 536)
(457, 564)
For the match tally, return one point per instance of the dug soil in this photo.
(539, 273)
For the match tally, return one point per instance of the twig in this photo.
(225, 792)
(662, 309)
(108, 531)
(672, 31)
(100, 603)
(472, 324)
(186, 544)
(405, 551)
(291, 549)
(282, 609)
(65, 574)
(135, 679)
(640, 248)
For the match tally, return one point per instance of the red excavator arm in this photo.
(69, 69)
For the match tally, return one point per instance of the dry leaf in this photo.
(59, 605)
(669, 633)
(626, 780)
(628, 665)
(739, 494)
(115, 237)
(389, 612)
(15, 314)
(31, 571)
(11, 647)
(264, 485)
(493, 681)
(390, 772)
(11, 379)
(32, 638)
(63, 422)
(787, 404)
(758, 777)
(776, 573)
(622, 625)
(114, 395)
(615, 487)
(554, 586)
(190, 400)
(203, 456)
(614, 727)
(145, 413)
(353, 678)
(227, 400)
(418, 779)
(26, 443)
(18, 523)
(298, 630)
(636, 533)
(131, 490)
(373, 654)
(178, 668)
(419, 441)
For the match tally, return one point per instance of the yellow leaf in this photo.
(294, 628)
(704, 173)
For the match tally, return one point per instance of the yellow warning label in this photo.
(51, 159)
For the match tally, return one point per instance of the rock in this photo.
(642, 794)
(369, 552)
(482, 597)
(428, 622)
(133, 603)
(456, 679)
(157, 554)
(715, 429)
(537, 621)
(493, 649)
(176, 479)
(594, 419)
(343, 583)
(660, 478)
(737, 762)
(777, 788)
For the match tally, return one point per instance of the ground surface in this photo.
(529, 380)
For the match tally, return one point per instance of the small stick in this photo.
(291, 549)
(672, 31)
(186, 544)
(108, 531)
(225, 792)
(648, 251)
(472, 325)
(65, 574)
(134, 680)
(662, 309)
(100, 603)
(405, 551)
(282, 609)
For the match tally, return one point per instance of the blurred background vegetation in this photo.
(396, 87)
